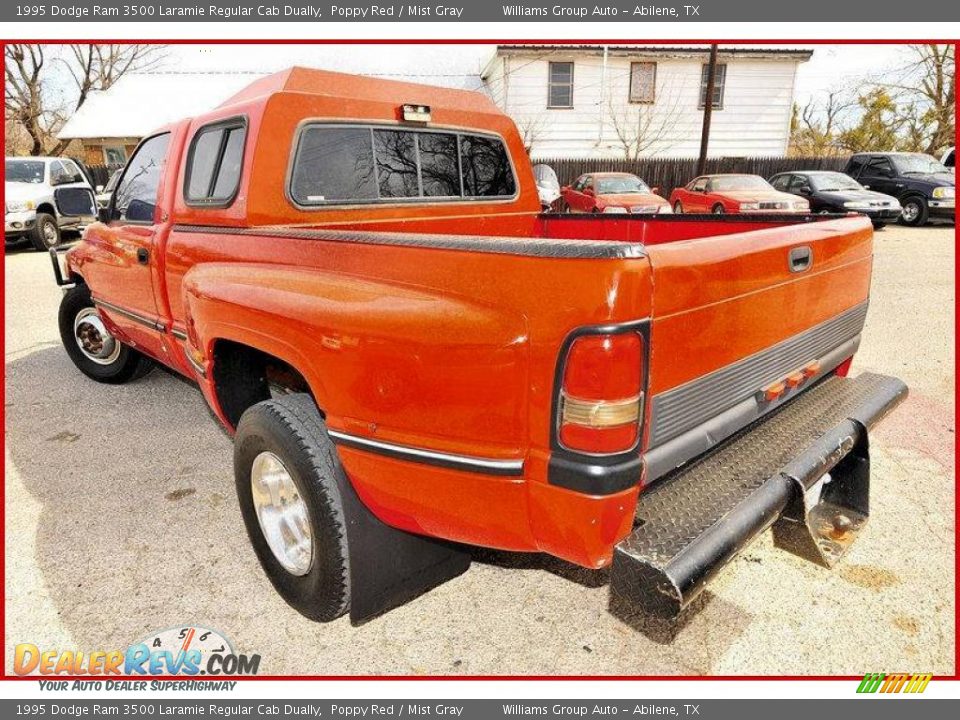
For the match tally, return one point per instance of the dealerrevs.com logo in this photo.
(894, 683)
(185, 650)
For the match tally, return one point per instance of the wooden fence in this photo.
(101, 173)
(669, 173)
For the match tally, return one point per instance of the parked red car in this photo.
(720, 194)
(612, 192)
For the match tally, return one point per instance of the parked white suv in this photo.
(30, 210)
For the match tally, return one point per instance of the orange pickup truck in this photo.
(413, 360)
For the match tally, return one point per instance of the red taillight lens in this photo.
(604, 367)
(602, 398)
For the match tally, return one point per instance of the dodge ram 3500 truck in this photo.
(413, 360)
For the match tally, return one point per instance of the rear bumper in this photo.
(803, 470)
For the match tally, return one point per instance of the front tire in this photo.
(45, 233)
(678, 208)
(915, 212)
(91, 347)
(288, 477)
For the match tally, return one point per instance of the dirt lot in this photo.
(121, 519)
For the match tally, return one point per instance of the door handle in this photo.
(143, 256)
(800, 259)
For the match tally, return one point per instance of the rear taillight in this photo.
(601, 399)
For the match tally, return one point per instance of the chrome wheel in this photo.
(282, 514)
(93, 338)
(911, 211)
(50, 234)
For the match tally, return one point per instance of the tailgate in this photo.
(736, 315)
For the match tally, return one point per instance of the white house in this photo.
(605, 101)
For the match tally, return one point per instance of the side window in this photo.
(72, 170)
(879, 167)
(855, 166)
(56, 170)
(699, 185)
(780, 182)
(486, 167)
(797, 182)
(578, 185)
(135, 199)
(214, 163)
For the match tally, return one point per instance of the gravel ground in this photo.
(121, 519)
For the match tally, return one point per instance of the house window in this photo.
(643, 82)
(718, 85)
(560, 85)
(114, 155)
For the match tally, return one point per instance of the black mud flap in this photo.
(389, 567)
(804, 470)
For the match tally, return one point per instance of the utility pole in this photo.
(707, 110)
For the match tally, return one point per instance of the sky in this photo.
(831, 65)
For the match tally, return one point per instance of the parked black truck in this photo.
(924, 187)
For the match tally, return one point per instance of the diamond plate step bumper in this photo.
(804, 469)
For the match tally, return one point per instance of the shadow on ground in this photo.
(139, 530)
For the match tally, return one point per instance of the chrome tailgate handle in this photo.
(800, 259)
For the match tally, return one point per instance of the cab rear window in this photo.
(335, 164)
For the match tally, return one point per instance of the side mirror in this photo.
(588, 191)
(103, 215)
(75, 202)
(805, 190)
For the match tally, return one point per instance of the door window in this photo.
(879, 167)
(70, 167)
(797, 182)
(135, 199)
(699, 185)
(780, 182)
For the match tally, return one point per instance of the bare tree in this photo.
(926, 91)
(640, 127)
(531, 129)
(817, 125)
(29, 105)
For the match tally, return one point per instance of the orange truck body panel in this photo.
(442, 348)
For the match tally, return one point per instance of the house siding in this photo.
(754, 120)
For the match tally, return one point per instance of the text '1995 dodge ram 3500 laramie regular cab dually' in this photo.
(413, 359)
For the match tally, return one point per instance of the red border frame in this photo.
(483, 41)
